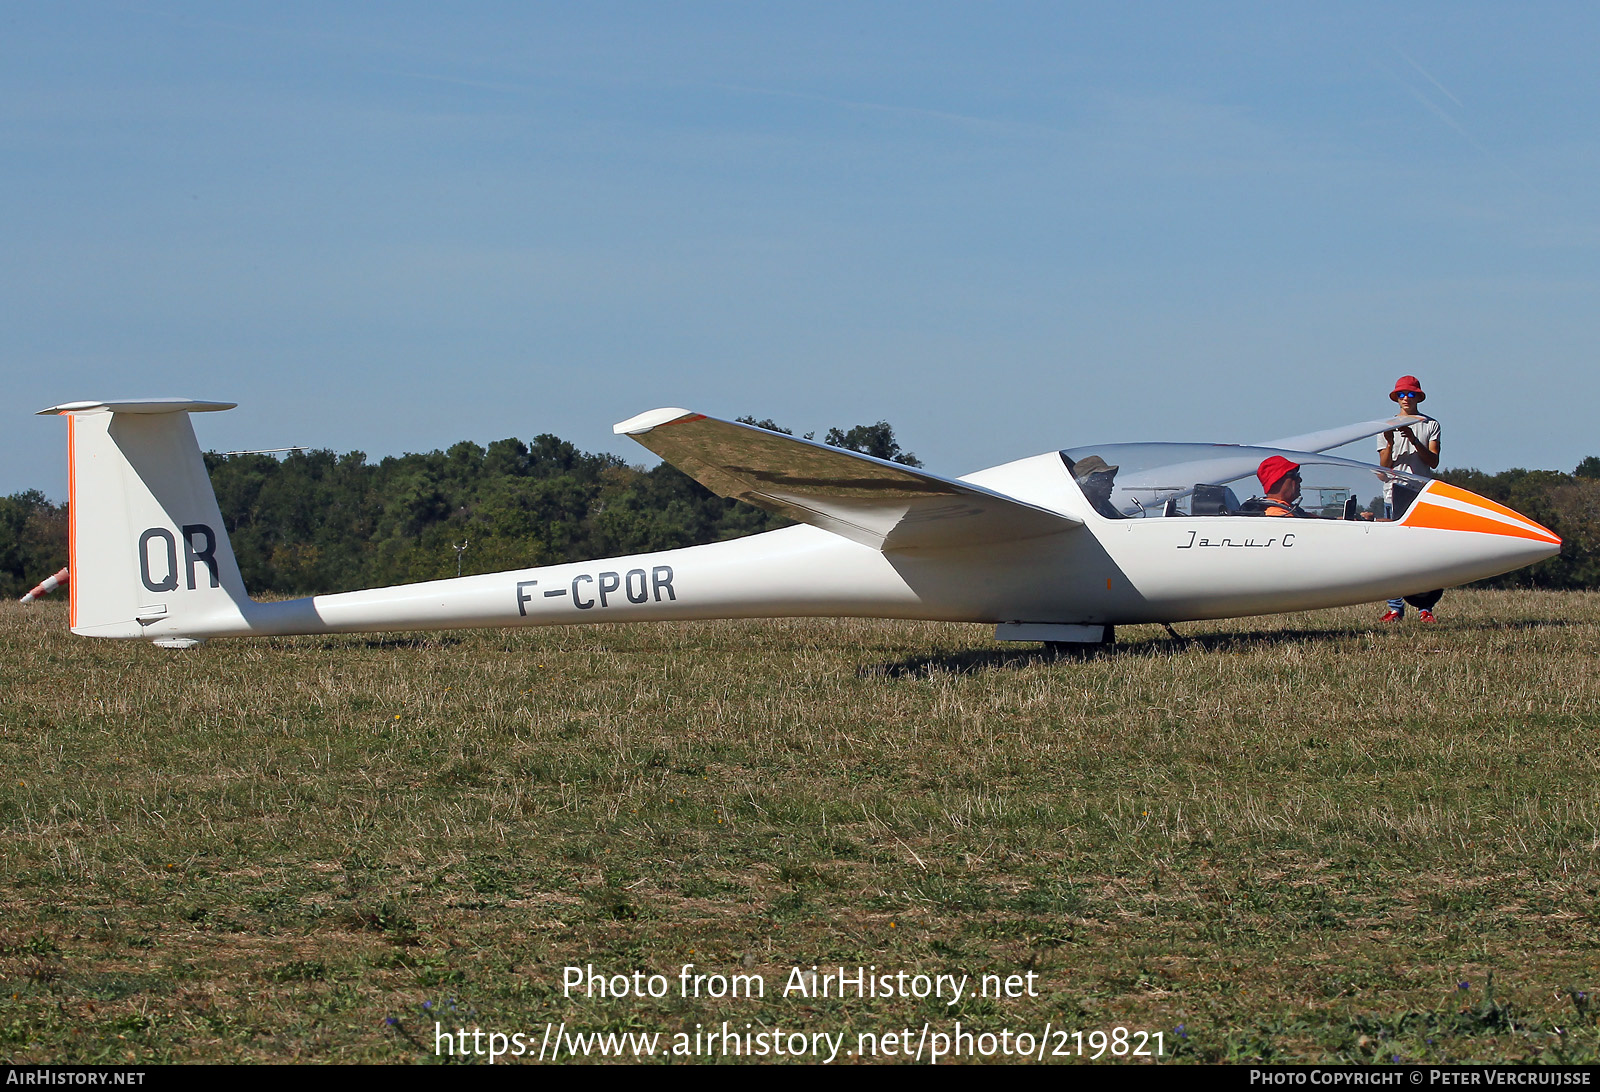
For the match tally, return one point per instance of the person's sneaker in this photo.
(1426, 616)
(1395, 616)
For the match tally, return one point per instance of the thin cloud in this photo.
(1451, 121)
(906, 111)
(456, 81)
(1425, 74)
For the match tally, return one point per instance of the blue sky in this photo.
(1005, 227)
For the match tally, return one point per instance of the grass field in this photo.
(1288, 839)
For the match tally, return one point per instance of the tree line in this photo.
(315, 521)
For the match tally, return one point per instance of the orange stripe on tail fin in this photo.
(72, 521)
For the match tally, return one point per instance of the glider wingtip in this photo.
(650, 419)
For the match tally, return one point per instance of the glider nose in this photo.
(1512, 536)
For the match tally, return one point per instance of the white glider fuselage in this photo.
(151, 559)
(1123, 572)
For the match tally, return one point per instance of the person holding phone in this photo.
(1415, 450)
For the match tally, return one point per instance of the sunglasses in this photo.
(1408, 396)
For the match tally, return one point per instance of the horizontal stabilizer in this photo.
(871, 501)
(138, 405)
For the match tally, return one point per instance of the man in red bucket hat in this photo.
(1280, 487)
(1415, 450)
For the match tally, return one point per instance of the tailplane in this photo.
(149, 555)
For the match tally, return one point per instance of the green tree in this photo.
(875, 440)
(767, 423)
(33, 541)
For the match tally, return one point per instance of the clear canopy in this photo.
(1210, 479)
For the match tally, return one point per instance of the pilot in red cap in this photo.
(1272, 470)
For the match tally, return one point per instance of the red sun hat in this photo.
(1272, 470)
(1406, 384)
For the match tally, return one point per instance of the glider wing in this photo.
(871, 501)
(1330, 438)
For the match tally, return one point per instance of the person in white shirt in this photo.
(1414, 449)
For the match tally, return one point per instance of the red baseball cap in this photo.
(1272, 470)
(1406, 384)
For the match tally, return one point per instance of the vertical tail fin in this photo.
(149, 555)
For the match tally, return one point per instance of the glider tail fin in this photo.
(149, 554)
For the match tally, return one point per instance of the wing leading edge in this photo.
(877, 503)
(1330, 438)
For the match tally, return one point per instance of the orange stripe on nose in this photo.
(1455, 492)
(1437, 516)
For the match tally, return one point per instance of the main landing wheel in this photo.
(1083, 650)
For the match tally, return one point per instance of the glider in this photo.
(1021, 546)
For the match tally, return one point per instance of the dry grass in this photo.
(1296, 837)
